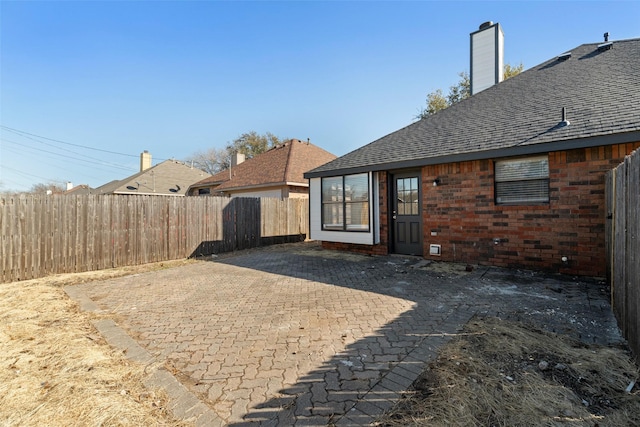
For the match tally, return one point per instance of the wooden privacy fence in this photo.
(623, 246)
(42, 235)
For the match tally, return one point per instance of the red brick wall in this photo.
(466, 220)
(297, 190)
(383, 206)
(353, 247)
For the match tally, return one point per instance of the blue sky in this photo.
(178, 77)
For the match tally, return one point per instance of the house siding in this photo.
(462, 214)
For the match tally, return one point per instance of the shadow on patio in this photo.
(366, 376)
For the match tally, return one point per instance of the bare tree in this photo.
(47, 188)
(211, 161)
(250, 144)
(40, 188)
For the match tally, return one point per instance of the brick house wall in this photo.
(296, 191)
(465, 219)
(462, 213)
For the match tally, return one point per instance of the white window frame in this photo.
(315, 216)
(343, 205)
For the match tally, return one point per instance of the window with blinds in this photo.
(522, 181)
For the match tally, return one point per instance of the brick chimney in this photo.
(237, 158)
(145, 160)
(487, 57)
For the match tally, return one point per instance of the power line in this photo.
(47, 159)
(99, 161)
(55, 162)
(93, 161)
(23, 133)
(29, 174)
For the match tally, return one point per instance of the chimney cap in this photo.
(485, 25)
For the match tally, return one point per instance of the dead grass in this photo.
(499, 373)
(55, 369)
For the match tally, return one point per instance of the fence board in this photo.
(623, 244)
(44, 235)
(633, 253)
(20, 238)
(12, 246)
(608, 230)
(619, 248)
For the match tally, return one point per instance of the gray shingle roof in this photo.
(599, 89)
(170, 178)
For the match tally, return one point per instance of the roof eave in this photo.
(133, 193)
(250, 187)
(520, 150)
(205, 185)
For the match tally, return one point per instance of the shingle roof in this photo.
(600, 90)
(79, 189)
(283, 164)
(170, 177)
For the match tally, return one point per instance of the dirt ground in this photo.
(56, 370)
(503, 373)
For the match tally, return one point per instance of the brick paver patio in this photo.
(295, 335)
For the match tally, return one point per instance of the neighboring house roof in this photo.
(284, 164)
(79, 189)
(599, 87)
(170, 177)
